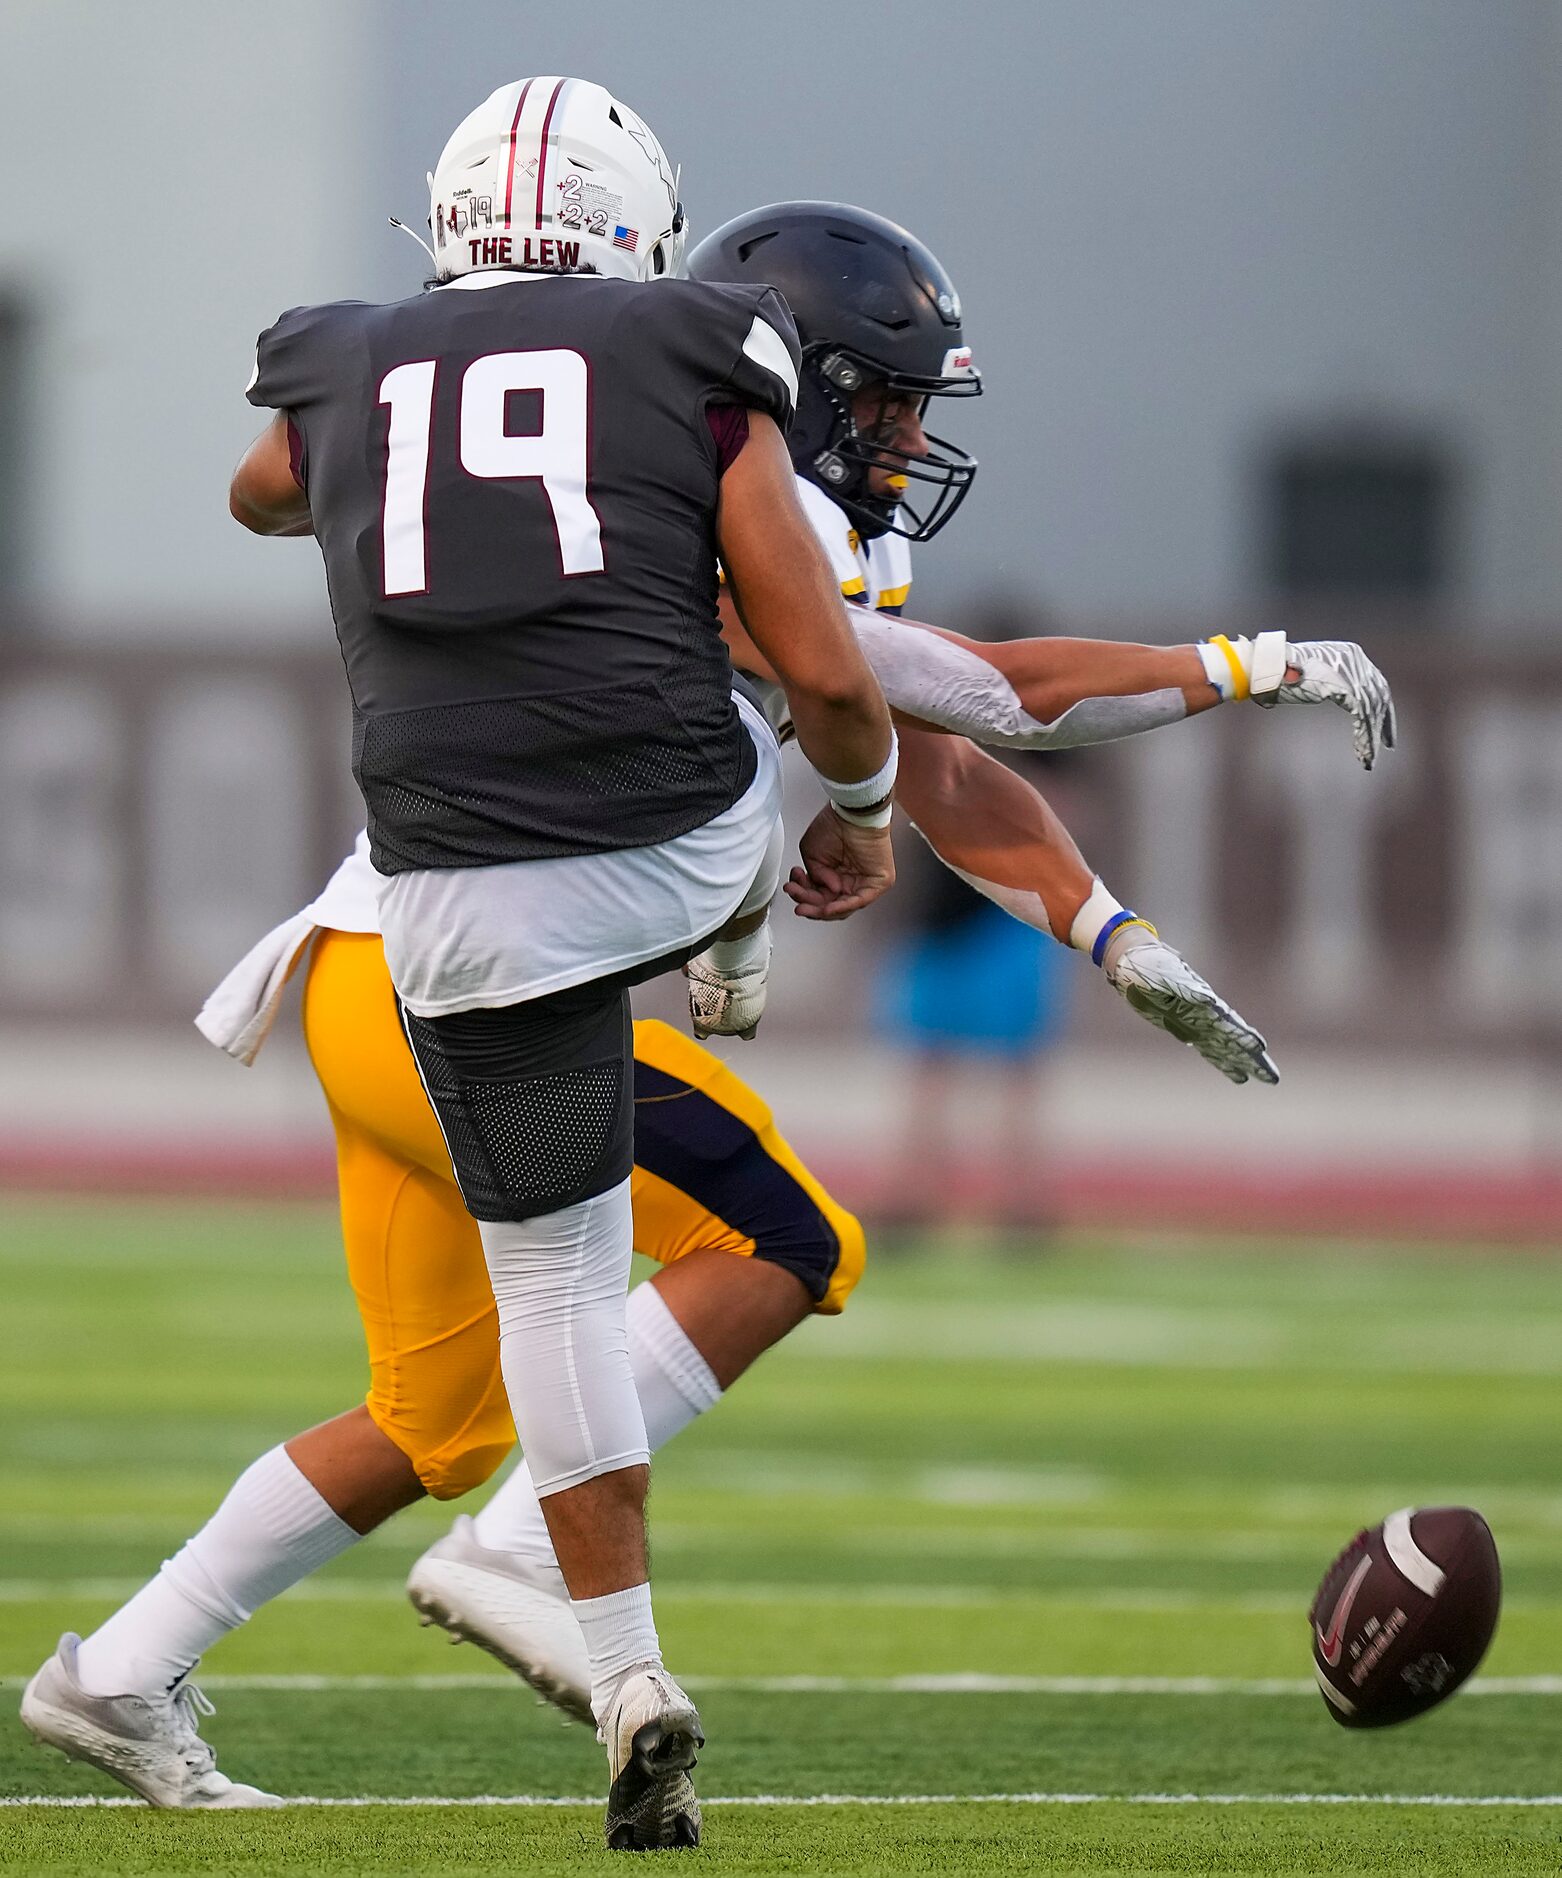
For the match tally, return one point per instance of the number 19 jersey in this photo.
(514, 487)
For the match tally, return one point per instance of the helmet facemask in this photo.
(844, 451)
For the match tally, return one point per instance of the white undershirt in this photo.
(472, 938)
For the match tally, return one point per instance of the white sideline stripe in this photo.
(594, 1801)
(960, 1682)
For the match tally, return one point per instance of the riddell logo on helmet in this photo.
(499, 251)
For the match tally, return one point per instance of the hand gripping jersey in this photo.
(514, 487)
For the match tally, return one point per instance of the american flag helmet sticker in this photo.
(626, 238)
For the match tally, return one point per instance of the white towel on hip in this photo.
(238, 1015)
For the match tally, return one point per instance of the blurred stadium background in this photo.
(1269, 303)
(1268, 297)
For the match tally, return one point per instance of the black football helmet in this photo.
(873, 307)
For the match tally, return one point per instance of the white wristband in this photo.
(1101, 917)
(1093, 916)
(872, 790)
(1246, 668)
(880, 817)
(1271, 657)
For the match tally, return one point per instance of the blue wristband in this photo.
(1126, 918)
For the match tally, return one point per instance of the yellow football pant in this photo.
(711, 1170)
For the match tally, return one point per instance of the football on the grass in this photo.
(1404, 1615)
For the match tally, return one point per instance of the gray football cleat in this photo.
(150, 1744)
(652, 1735)
(514, 1610)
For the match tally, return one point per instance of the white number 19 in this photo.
(556, 456)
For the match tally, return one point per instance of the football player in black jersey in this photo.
(520, 482)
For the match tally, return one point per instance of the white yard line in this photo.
(912, 1596)
(1150, 1602)
(594, 1801)
(380, 1590)
(960, 1682)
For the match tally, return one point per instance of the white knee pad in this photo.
(561, 1282)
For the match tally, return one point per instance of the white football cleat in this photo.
(652, 1735)
(728, 999)
(512, 1609)
(1162, 986)
(150, 1744)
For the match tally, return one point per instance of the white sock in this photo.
(675, 1386)
(272, 1530)
(734, 957)
(620, 1636)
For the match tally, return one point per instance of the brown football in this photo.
(1404, 1615)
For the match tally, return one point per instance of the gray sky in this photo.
(1180, 228)
(1174, 226)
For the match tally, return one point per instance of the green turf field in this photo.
(1004, 1571)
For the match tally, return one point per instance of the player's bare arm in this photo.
(1077, 691)
(1051, 676)
(786, 597)
(1002, 837)
(265, 495)
(1038, 694)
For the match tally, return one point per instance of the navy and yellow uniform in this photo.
(873, 573)
(712, 1171)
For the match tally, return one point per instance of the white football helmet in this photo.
(555, 173)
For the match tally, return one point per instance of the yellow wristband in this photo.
(1239, 680)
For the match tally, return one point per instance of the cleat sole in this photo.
(432, 1609)
(651, 1805)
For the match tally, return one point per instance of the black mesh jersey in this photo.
(514, 488)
